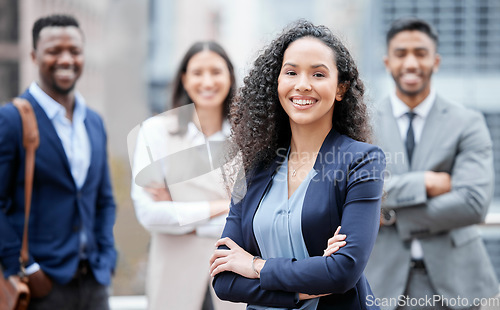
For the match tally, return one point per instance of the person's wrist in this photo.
(218, 207)
(387, 217)
(257, 265)
(427, 181)
(31, 269)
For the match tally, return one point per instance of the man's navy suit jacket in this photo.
(347, 191)
(59, 209)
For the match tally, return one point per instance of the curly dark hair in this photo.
(261, 126)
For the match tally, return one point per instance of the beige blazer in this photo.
(178, 264)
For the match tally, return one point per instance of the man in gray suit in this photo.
(439, 183)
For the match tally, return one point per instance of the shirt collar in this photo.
(399, 108)
(226, 128)
(224, 133)
(52, 108)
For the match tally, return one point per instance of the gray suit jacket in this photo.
(454, 140)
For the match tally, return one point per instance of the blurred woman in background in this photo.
(178, 192)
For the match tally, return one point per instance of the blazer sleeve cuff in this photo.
(268, 278)
(10, 265)
(408, 192)
(269, 281)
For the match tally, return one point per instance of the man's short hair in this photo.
(60, 20)
(412, 24)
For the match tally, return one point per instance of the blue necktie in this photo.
(410, 136)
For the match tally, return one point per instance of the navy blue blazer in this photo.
(59, 210)
(346, 191)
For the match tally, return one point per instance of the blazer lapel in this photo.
(430, 134)
(256, 189)
(93, 146)
(318, 215)
(390, 140)
(48, 133)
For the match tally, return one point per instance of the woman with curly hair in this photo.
(301, 127)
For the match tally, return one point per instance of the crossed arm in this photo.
(154, 206)
(431, 202)
(241, 262)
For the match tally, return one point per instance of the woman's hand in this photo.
(235, 259)
(158, 193)
(335, 243)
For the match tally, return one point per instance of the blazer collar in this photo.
(257, 182)
(326, 147)
(399, 108)
(45, 126)
(261, 177)
(51, 137)
(387, 127)
(430, 134)
(268, 172)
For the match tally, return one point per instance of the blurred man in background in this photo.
(439, 186)
(71, 244)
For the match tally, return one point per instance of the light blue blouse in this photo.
(277, 224)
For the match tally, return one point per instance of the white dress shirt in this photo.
(73, 134)
(399, 109)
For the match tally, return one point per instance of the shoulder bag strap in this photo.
(31, 140)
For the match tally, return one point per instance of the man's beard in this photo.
(412, 93)
(63, 91)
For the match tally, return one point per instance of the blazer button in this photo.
(76, 228)
(79, 195)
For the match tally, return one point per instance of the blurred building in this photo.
(9, 50)
(242, 27)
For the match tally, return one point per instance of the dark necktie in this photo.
(410, 136)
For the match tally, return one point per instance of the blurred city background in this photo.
(133, 48)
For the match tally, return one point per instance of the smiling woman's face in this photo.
(207, 79)
(307, 83)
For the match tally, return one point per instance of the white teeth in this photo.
(303, 101)
(207, 93)
(65, 72)
(410, 77)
